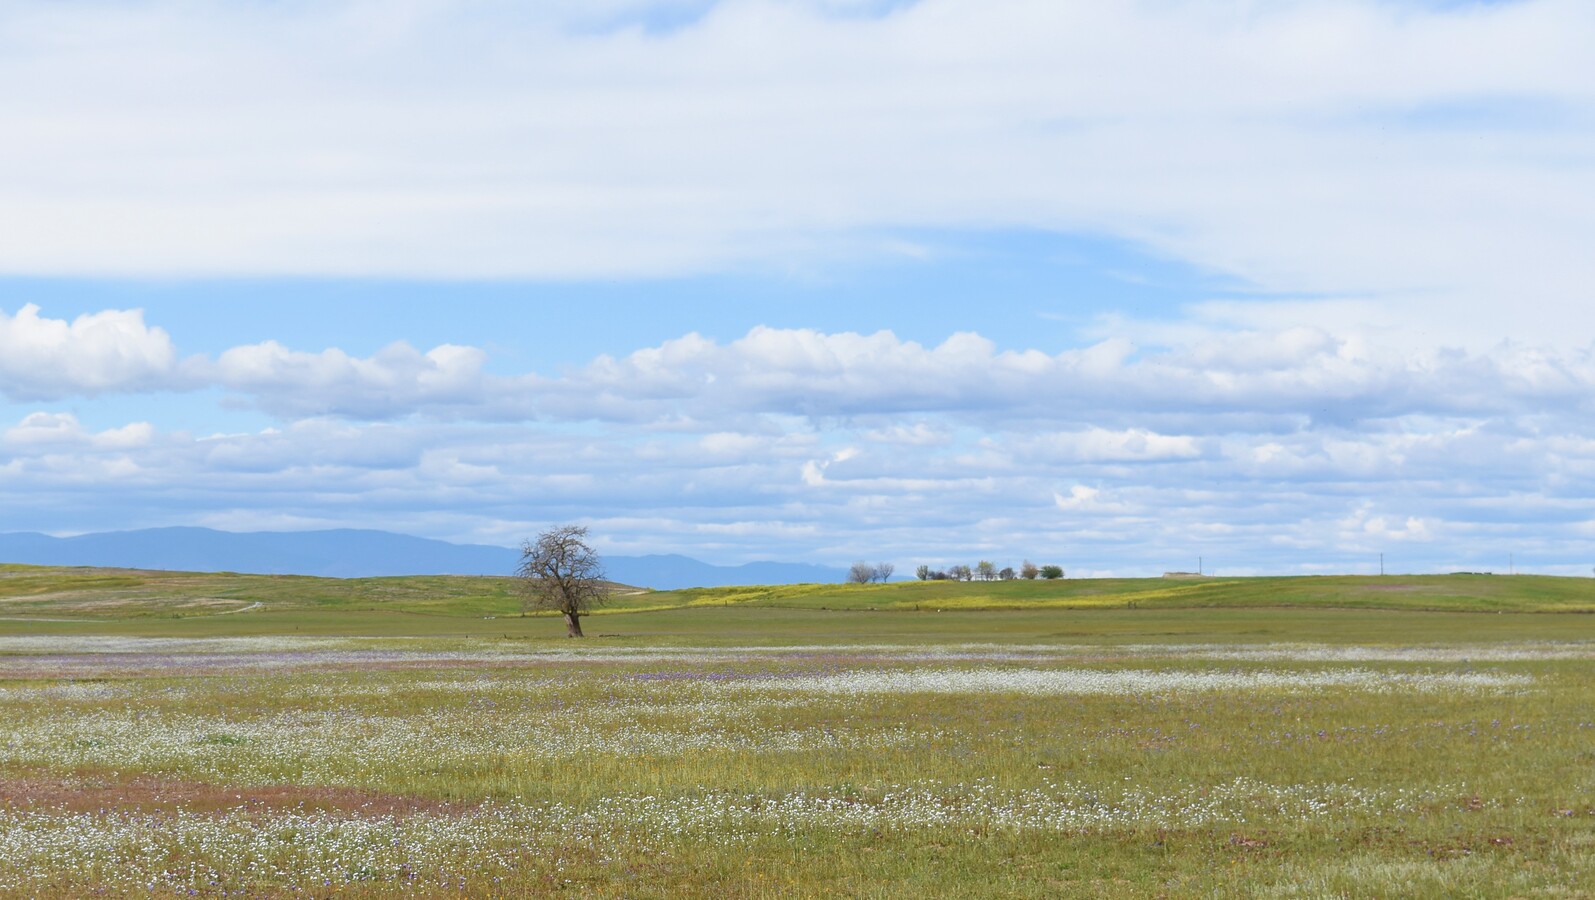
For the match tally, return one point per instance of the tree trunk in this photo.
(573, 625)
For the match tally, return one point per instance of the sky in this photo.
(1261, 286)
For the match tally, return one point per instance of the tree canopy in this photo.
(559, 571)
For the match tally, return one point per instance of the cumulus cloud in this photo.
(47, 431)
(109, 351)
(1127, 401)
(45, 428)
(397, 380)
(1295, 450)
(814, 469)
(830, 495)
(1082, 498)
(1281, 381)
(1374, 530)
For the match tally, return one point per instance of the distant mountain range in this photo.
(351, 553)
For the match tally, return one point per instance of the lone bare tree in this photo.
(559, 571)
(860, 573)
(883, 572)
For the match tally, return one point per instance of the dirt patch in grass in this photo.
(148, 793)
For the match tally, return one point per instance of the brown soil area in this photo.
(148, 793)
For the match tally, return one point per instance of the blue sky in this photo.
(1281, 285)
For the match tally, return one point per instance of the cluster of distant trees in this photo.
(988, 571)
(864, 573)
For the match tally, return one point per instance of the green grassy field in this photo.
(1316, 737)
(126, 597)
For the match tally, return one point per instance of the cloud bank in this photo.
(1283, 380)
(1296, 450)
(1422, 158)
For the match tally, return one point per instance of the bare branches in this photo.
(558, 571)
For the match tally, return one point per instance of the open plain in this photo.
(173, 734)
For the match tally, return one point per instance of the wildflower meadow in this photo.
(896, 753)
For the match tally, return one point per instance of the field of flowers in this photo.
(261, 766)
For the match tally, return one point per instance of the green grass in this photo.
(132, 593)
(778, 626)
(626, 775)
(413, 604)
(1456, 593)
(416, 736)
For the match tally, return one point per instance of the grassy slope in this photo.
(1456, 593)
(120, 593)
(43, 600)
(116, 593)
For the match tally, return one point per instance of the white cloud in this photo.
(49, 431)
(1080, 497)
(127, 437)
(1287, 451)
(1280, 380)
(1124, 402)
(396, 381)
(817, 495)
(1353, 150)
(814, 470)
(45, 428)
(1364, 524)
(732, 444)
(1102, 445)
(113, 350)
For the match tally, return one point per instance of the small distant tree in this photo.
(939, 575)
(960, 573)
(860, 573)
(883, 572)
(1029, 570)
(1007, 573)
(559, 571)
(922, 573)
(1051, 572)
(986, 569)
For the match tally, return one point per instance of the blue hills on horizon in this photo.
(361, 553)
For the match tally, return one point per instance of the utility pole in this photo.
(1198, 565)
(1381, 565)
